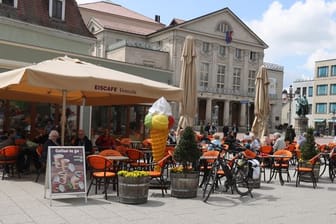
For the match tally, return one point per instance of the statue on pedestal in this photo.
(302, 106)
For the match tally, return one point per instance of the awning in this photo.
(319, 120)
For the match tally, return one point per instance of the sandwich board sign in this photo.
(66, 172)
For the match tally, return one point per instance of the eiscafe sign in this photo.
(113, 89)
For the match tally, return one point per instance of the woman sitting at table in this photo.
(105, 141)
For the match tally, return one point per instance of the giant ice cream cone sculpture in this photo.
(159, 120)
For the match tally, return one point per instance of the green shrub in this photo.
(308, 149)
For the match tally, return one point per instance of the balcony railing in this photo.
(227, 91)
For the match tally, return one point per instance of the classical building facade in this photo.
(229, 55)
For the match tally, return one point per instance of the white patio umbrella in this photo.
(65, 80)
(188, 105)
(261, 104)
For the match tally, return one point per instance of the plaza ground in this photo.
(22, 201)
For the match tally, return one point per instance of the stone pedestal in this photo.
(301, 125)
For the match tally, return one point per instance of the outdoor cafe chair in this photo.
(8, 159)
(136, 159)
(281, 163)
(159, 175)
(264, 151)
(308, 171)
(100, 172)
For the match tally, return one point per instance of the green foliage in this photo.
(135, 173)
(186, 150)
(308, 149)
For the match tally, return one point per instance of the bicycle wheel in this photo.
(209, 185)
(242, 179)
(332, 170)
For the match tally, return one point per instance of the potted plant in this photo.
(308, 151)
(133, 186)
(185, 178)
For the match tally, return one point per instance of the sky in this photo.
(298, 32)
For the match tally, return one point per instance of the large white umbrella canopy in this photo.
(65, 80)
(261, 104)
(188, 105)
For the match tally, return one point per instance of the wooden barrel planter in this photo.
(133, 190)
(184, 185)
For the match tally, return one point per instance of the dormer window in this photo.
(57, 9)
(12, 3)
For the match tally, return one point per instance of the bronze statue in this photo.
(302, 107)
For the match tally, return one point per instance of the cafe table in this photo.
(119, 161)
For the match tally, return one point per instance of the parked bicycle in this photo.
(236, 170)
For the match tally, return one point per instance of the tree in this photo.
(187, 150)
(308, 149)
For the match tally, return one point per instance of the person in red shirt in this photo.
(105, 141)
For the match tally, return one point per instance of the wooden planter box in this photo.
(133, 190)
(184, 185)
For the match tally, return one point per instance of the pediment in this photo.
(215, 23)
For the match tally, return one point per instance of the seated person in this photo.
(83, 140)
(205, 138)
(105, 141)
(214, 143)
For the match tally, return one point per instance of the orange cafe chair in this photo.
(308, 171)
(282, 163)
(159, 175)
(8, 159)
(100, 172)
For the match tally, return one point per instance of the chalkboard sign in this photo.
(66, 170)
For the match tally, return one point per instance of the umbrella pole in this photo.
(64, 93)
(81, 113)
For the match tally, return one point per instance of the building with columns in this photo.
(229, 55)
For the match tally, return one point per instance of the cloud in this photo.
(306, 29)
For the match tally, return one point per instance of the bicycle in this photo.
(237, 173)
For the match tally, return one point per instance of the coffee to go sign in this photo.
(66, 170)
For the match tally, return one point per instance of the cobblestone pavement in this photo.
(22, 201)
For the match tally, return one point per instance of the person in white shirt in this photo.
(279, 142)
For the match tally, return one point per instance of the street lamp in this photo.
(289, 96)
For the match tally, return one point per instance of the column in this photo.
(226, 112)
(208, 111)
(242, 120)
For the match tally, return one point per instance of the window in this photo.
(57, 9)
(251, 81)
(222, 50)
(253, 56)
(238, 54)
(332, 89)
(206, 47)
(321, 108)
(321, 90)
(310, 91)
(332, 107)
(204, 77)
(322, 71)
(12, 3)
(304, 91)
(236, 79)
(223, 27)
(298, 90)
(333, 70)
(220, 76)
